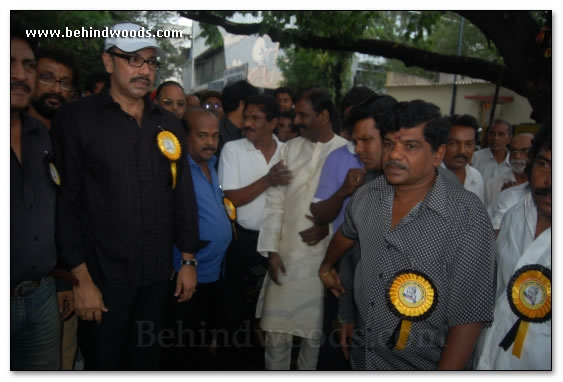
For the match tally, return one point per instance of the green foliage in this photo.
(303, 68)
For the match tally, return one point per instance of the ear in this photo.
(439, 155)
(324, 116)
(108, 62)
(273, 124)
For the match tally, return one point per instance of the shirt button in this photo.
(368, 329)
(35, 238)
(372, 304)
(389, 246)
(31, 206)
(381, 275)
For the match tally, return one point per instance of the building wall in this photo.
(516, 112)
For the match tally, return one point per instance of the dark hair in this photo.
(267, 105)
(290, 114)
(165, 84)
(208, 94)
(94, 78)
(18, 31)
(320, 100)
(373, 107)
(542, 139)
(61, 56)
(502, 121)
(354, 97)
(286, 90)
(236, 92)
(466, 120)
(410, 114)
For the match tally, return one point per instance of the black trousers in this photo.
(130, 334)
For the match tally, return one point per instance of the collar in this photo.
(506, 158)
(434, 200)
(30, 124)
(211, 162)
(249, 146)
(104, 99)
(469, 175)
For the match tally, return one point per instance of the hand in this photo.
(275, 263)
(346, 330)
(312, 236)
(331, 280)
(354, 179)
(65, 300)
(508, 185)
(88, 302)
(186, 283)
(279, 174)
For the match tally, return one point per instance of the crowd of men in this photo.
(152, 229)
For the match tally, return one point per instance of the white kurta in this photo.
(516, 248)
(484, 161)
(505, 201)
(295, 307)
(494, 186)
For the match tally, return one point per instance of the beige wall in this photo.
(516, 112)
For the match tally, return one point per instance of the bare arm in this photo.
(326, 211)
(460, 343)
(338, 246)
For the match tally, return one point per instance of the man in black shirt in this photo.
(126, 198)
(35, 326)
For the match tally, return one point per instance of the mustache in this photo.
(143, 78)
(209, 148)
(461, 156)
(56, 96)
(394, 164)
(542, 191)
(20, 85)
(301, 126)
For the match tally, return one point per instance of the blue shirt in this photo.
(214, 225)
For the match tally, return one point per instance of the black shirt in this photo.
(116, 209)
(228, 131)
(32, 205)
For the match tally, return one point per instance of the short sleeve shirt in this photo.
(449, 238)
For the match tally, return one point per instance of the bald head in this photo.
(203, 134)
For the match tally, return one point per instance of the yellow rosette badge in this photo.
(170, 147)
(529, 296)
(412, 297)
(231, 213)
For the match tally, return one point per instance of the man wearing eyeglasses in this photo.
(170, 95)
(57, 72)
(518, 149)
(126, 198)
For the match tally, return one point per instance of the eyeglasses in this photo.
(516, 151)
(138, 61)
(51, 81)
(169, 102)
(212, 105)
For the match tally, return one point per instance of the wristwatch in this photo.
(192, 262)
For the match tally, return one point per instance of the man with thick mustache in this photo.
(518, 149)
(57, 73)
(248, 167)
(126, 198)
(461, 143)
(35, 323)
(524, 249)
(416, 229)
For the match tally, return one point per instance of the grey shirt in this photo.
(448, 237)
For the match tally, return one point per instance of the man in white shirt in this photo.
(494, 160)
(523, 298)
(459, 151)
(248, 167)
(518, 149)
(292, 296)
